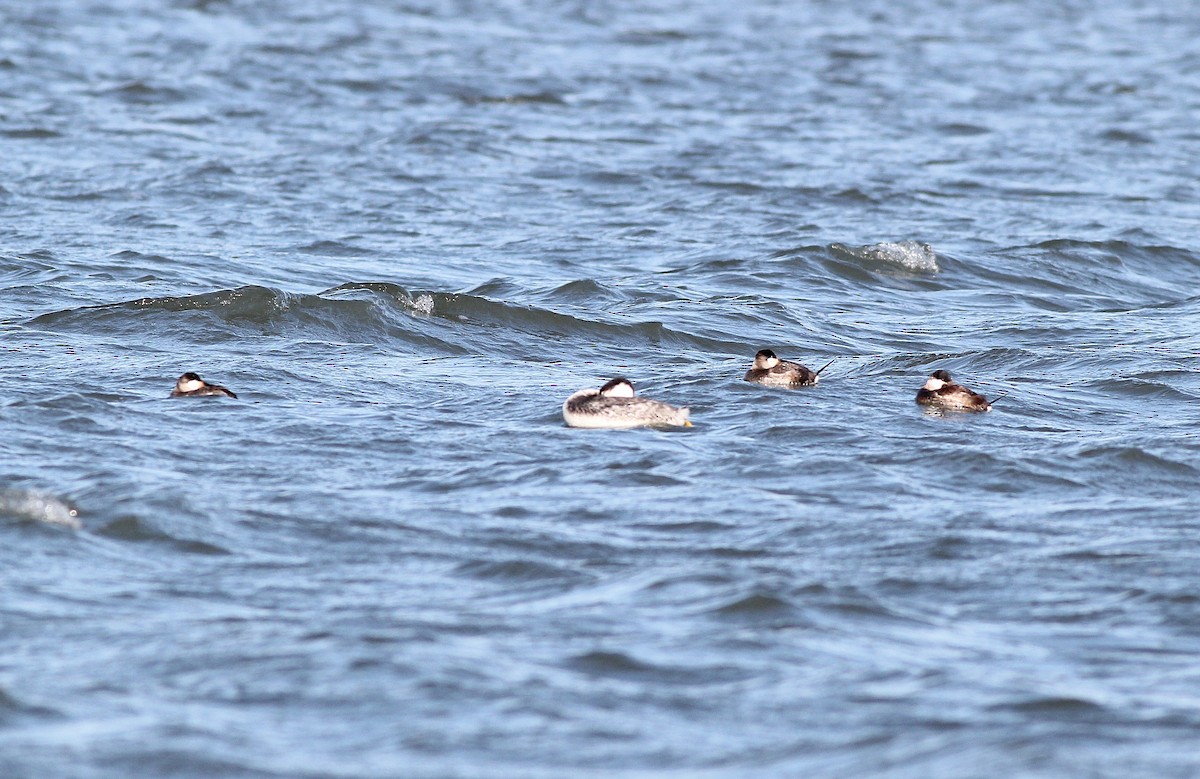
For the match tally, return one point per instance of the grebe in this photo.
(190, 385)
(614, 406)
(940, 392)
(771, 371)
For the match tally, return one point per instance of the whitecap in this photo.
(34, 506)
(911, 255)
(423, 304)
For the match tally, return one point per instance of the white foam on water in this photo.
(36, 506)
(912, 255)
(423, 304)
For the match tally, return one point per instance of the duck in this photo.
(190, 385)
(770, 371)
(941, 392)
(615, 406)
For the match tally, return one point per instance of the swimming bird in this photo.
(940, 392)
(615, 406)
(190, 385)
(771, 371)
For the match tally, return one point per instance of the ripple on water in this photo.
(519, 571)
(132, 528)
(761, 609)
(15, 712)
(624, 667)
(1056, 707)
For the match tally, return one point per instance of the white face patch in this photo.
(764, 363)
(622, 390)
(189, 386)
(934, 384)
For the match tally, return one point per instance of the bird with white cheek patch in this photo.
(942, 393)
(770, 371)
(615, 406)
(190, 385)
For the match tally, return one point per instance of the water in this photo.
(404, 233)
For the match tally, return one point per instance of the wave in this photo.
(378, 311)
(251, 311)
(905, 265)
(780, 300)
(1056, 275)
(1114, 274)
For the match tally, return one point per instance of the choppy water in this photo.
(405, 232)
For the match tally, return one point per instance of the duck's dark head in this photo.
(189, 382)
(765, 360)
